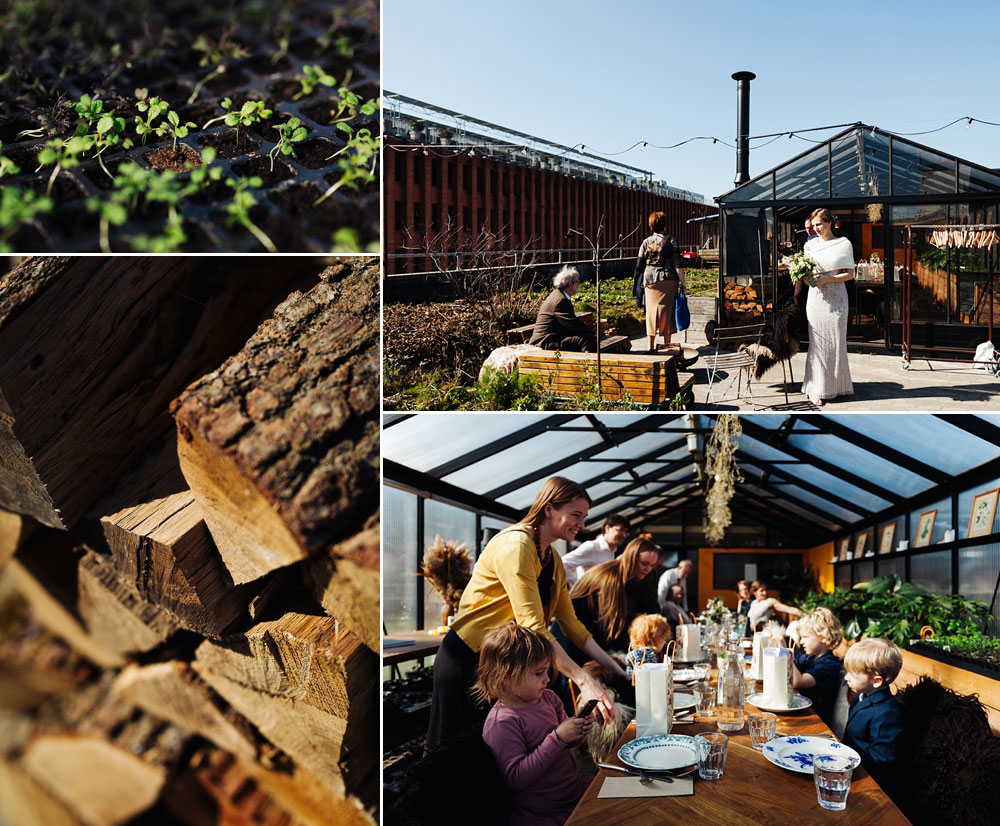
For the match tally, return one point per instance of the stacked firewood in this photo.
(741, 304)
(189, 546)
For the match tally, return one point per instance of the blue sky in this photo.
(610, 74)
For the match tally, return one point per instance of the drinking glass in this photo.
(706, 699)
(711, 755)
(703, 670)
(749, 686)
(833, 781)
(762, 725)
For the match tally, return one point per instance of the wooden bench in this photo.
(650, 380)
(522, 335)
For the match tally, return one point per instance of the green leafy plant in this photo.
(215, 53)
(349, 106)
(7, 166)
(888, 607)
(201, 177)
(239, 208)
(17, 208)
(313, 76)
(499, 390)
(288, 133)
(251, 112)
(348, 239)
(134, 185)
(357, 166)
(153, 108)
(64, 155)
(175, 128)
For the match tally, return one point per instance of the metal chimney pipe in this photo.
(743, 126)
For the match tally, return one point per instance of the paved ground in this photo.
(880, 383)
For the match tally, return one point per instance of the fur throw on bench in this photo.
(950, 759)
(780, 342)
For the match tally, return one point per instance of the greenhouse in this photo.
(877, 184)
(886, 522)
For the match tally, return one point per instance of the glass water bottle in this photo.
(730, 702)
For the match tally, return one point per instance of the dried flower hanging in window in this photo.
(722, 474)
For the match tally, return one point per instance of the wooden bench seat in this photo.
(522, 335)
(650, 380)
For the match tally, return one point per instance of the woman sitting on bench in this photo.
(557, 327)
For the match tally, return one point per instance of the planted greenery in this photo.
(250, 113)
(972, 645)
(313, 76)
(288, 133)
(239, 208)
(888, 607)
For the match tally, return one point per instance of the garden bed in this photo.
(986, 665)
(236, 126)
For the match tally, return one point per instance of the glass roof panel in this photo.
(861, 463)
(604, 488)
(646, 443)
(847, 157)
(928, 439)
(758, 189)
(804, 177)
(520, 459)
(790, 506)
(971, 179)
(814, 475)
(792, 491)
(426, 441)
(920, 171)
(875, 166)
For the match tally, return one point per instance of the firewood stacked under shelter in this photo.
(189, 546)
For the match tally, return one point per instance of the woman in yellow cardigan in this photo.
(517, 577)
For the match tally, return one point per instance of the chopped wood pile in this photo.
(189, 553)
(741, 304)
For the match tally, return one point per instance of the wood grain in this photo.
(280, 444)
(92, 349)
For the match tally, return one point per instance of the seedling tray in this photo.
(152, 47)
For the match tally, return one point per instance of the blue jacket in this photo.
(828, 672)
(874, 726)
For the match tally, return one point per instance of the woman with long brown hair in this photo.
(605, 599)
(827, 374)
(517, 577)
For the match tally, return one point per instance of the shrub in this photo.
(498, 390)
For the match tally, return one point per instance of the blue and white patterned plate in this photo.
(798, 703)
(660, 753)
(798, 752)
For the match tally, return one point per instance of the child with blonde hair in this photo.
(647, 635)
(527, 729)
(875, 720)
(817, 672)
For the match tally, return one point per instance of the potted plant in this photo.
(445, 135)
(417, 130)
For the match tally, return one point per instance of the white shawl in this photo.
(837, 254)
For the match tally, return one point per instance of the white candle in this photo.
(777, 677)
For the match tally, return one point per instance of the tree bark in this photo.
(92, 349)
(280, 444)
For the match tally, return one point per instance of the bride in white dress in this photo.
(827, 372)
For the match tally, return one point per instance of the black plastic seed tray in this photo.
(273, 41)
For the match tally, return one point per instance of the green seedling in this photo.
(360, 152)
(64, 154)
(313, 76)
(239, 208)
(18, 208)
(348, 107)
(217, 54)
(7, 166)
(288, 133)
(154, 107)
(201, 177)
(348, 240)
(133, 183)
(251, 112)
(171, 239)
(175, 128)
(106, 129)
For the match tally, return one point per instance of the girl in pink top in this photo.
(527, 729)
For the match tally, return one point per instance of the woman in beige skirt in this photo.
(660, 264)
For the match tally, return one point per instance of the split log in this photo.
(118, 618)
(280, 444)
(100, 783)
(308, 685)
(172, 691)
(15, 530)
(25, 803)
(46, 573)
(341, 574)
(92, 349)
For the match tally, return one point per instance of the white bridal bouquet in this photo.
(801, 266)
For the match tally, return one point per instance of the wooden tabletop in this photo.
(751, 792)
(419, 644)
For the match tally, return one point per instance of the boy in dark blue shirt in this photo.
(817, 672)
(875, 722)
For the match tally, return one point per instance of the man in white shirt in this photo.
(581, 559)
(675, 576)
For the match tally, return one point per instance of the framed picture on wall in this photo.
(984, 509)
(925, 529)
(886, 537)
(845, 549)
(860, 543)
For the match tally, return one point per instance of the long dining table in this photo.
(751, 792)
